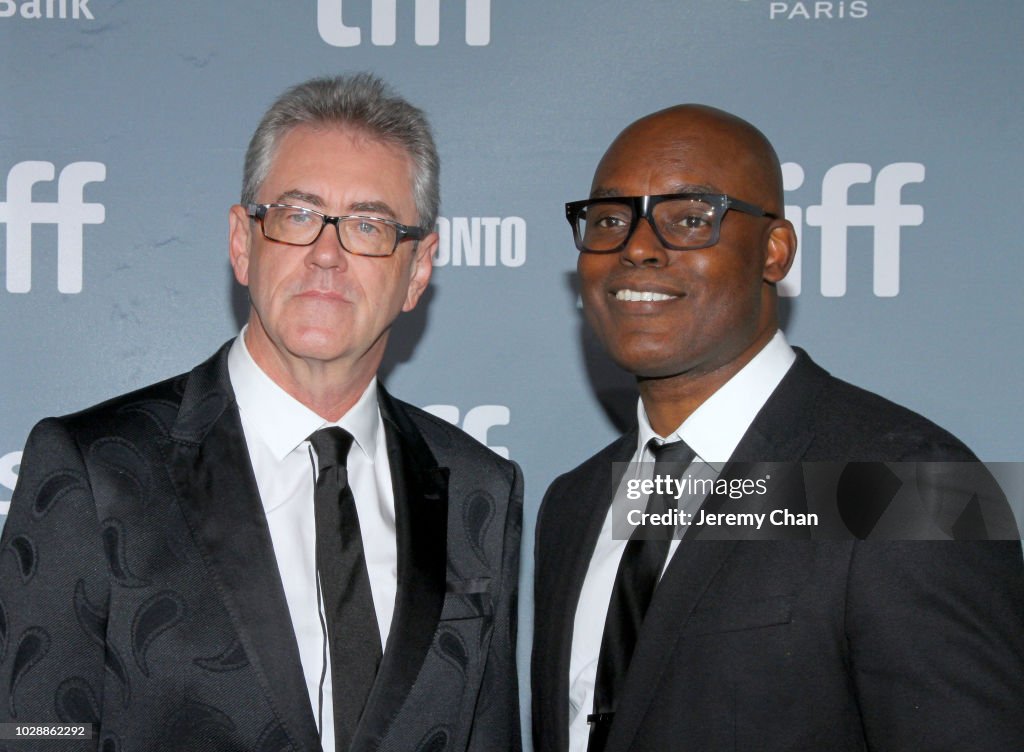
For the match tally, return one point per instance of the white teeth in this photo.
(642, 296)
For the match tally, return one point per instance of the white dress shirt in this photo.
(276, 428)
(713, 431)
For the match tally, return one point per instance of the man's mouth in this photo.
(642, 296)
(322, 294)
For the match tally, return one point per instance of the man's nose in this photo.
(643, 247)
(327, 252)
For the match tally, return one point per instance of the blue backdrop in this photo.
(123, 128)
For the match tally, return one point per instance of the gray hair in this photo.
(363, 102)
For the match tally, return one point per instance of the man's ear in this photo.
(239, 240)
(779, 251)
(422, 266)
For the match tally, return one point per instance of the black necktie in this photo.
(352, 630)
(637, 576)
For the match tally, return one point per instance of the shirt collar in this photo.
(715, 428)
(280, 420)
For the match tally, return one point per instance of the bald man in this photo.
(702, 644)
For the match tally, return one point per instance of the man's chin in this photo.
(312, 343)
(648, 364)
(314, 351)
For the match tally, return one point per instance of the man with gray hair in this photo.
(270, 552)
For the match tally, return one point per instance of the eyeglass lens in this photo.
(359, 235)
(683, 223)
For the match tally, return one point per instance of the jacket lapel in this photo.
(210, 467)
(421, 519)
(781, 431)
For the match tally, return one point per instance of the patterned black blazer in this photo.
(139, 589)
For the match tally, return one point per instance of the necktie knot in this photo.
(670, 461)
(671, 452)
(331, 445)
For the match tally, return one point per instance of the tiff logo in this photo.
(477, 421)
(8, 478)
(70, 213)
(32, 9)
(480, 241)
(835, 215)
(384, 23)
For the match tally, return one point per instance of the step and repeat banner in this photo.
(123, 127)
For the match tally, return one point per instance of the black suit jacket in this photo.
(797, 644)
(139, 588)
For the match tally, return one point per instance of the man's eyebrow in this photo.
(308, 198)
(377, 208)
(695, 188)
(677, 188)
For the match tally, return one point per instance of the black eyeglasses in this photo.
(358, 235)
(681, 221)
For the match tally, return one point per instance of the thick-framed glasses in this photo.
(681, 221)
(357, 234)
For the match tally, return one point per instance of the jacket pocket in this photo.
(466, 599)
(736, 616)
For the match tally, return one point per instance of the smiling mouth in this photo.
(643, 296)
